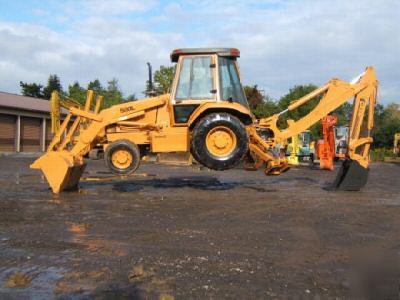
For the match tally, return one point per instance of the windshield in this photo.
(231, 89)
(195, 79)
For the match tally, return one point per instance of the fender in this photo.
(235, 108)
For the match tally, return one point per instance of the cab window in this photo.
(195, 79)
(231, 88)
(182, 113)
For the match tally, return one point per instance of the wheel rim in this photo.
(221, 141)
(121, 158)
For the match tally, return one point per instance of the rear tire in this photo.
(122, 157)
(219, 141)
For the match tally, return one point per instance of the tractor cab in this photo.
(205, 75)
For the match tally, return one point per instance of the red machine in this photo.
(326, 146)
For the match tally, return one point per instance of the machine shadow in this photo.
(113, 290)
(205, 183)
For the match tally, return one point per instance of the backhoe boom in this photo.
(333, 94)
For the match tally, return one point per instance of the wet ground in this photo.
(185, 232)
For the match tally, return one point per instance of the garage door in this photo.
(49, 135)
(30, 134)
(7, 132)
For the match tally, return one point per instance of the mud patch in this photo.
(29, 282)
(18, 280)
(73, 283)
(150, 284)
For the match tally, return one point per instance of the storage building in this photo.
(25, 124)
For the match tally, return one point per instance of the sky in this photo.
(282, 43)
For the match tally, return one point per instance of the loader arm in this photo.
(57, 102)
(63, 163)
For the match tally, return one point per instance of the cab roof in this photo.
(231, 52)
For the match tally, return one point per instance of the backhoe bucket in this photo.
(61, 170)
(351, 176)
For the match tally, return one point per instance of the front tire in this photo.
(219, 141)
(122, 157)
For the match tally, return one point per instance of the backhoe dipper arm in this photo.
(334, 94)
(353, 174)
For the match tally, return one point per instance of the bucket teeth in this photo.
(350, 177)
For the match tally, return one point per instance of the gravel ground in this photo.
(186, 232)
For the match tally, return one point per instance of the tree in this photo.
(261, 106)
(131, 97)
(387, 123)
(112, 95)
(76, 92)
(37, 90)
(343, 114)
(253, 95)
(163, 79)
(53, 84)
(31, 89)
(266, 108)
(95, 85)
(296, 93)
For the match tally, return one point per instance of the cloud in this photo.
(31, 53)
(295, 42)
(283, 43)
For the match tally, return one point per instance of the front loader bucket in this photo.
(61, 170)
(351, 176)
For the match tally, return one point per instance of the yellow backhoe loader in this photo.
(207, 114)
(300, 148)
(293, 148)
